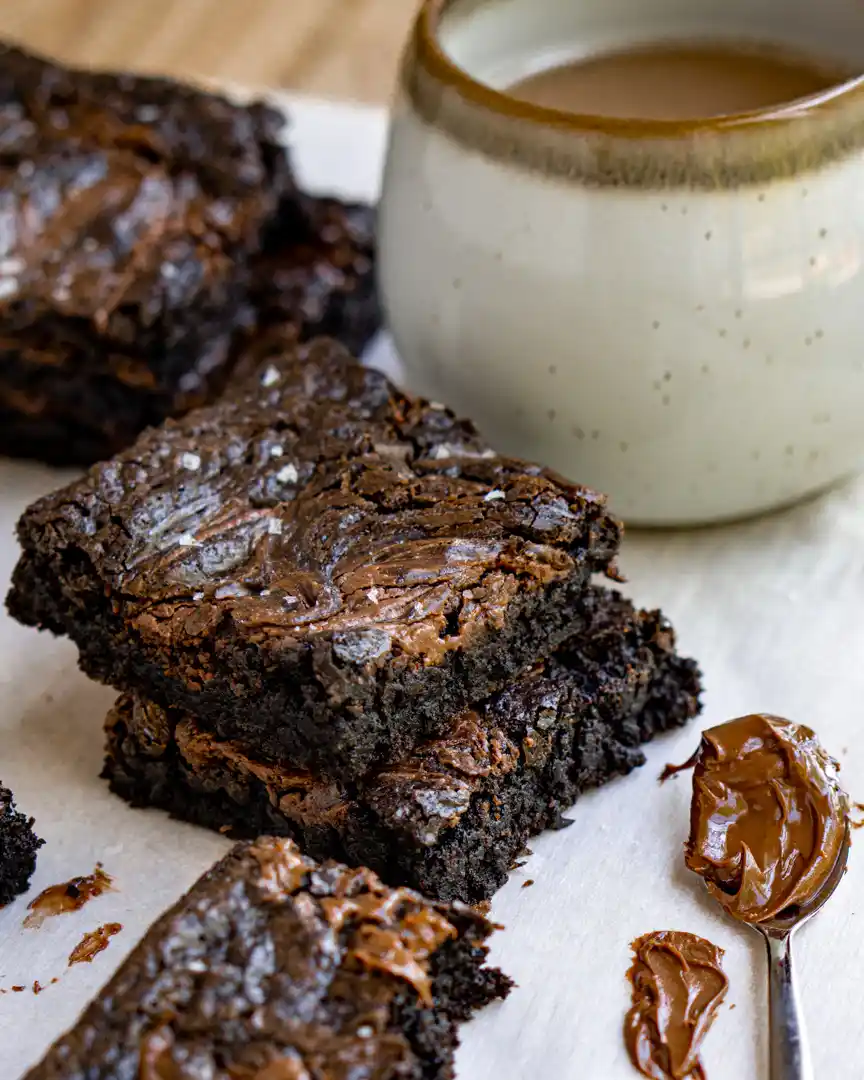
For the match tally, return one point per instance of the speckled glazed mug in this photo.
(672, 312)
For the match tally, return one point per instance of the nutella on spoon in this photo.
(768, 819)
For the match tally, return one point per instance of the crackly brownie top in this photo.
(273, 967)
(317, 504)
(119, 191)
(609, 667)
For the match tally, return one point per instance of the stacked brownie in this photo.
(335, 613)
(146, 224)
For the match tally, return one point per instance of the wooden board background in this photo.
(332, 48)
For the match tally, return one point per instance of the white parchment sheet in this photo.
(774, 610)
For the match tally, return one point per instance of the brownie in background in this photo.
(142, 222)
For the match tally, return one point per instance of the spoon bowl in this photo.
(795, 917)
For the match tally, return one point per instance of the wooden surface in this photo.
(332, 48)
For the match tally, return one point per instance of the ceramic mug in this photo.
(671, 312)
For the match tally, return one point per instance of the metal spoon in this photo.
(790, 1053)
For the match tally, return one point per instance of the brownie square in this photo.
(323, 566)
(18, 847)
(131, 208)
(276, 968)
(452, 817)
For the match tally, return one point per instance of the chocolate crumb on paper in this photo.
(93, 943)
(673, 770)
(68, 896)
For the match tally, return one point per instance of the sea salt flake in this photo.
(192, 462)
(234, 590)
(276, 451)
(288, 475)
(274, 527)
(494, 496)
(187, 540)
(270, 376)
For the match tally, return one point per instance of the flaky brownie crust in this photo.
(319, 563)
(452, 817)
(275, 968)
(18, 847)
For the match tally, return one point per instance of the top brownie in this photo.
(319, 564)
(129, 207)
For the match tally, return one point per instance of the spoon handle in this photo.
(790, 1054)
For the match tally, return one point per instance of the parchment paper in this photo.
(772, 609)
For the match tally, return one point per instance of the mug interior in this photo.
(501, 42)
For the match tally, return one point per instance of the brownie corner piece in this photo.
(320, 563)
(18, 847)
(276, 966)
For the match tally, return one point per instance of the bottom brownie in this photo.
(451, 819)
(275, 968)
(18, 847)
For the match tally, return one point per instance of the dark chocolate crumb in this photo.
(560, 823)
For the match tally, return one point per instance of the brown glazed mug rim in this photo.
(438, 64)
